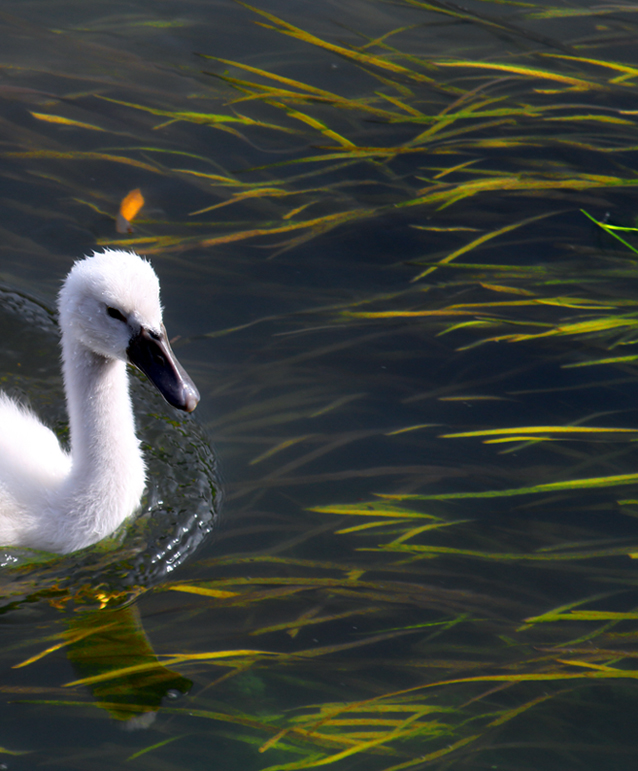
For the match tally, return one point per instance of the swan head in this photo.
(110, 304)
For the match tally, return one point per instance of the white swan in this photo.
(60, 501)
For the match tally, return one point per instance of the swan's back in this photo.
(32, 466)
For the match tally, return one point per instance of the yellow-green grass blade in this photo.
(77, 155)
(612, 231)
(211, 119)
(58, 119)
(583, 615)
(479, 308)
(409, 109)
(628, 71)
(446, 194)
(316, 124)
(69, 638)
(283, 445)
(590, 483)
(516, 711)
(434, 755)
(507, 289)
(156, 746)
(592, 326)
(367, 526)
(321, 224)
(414, 531)
(594, 118)
(305, 622)
(372, 509)
(228, 658)
(611, 360)
(575, 84)
(202, 590)
(531, 430)
(274, 76)
(419, 551)
(560, 13)
(417, 427)
(472, 398)
(217, 178)
(569, 606)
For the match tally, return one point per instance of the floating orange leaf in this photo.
(129, 207)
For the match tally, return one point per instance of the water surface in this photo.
(321, 623)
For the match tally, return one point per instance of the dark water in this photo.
(290, 619)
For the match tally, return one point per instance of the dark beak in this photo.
(152, 354)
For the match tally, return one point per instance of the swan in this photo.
(60, 501)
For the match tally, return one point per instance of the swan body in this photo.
(58, 500)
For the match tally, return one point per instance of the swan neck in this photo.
(100, 414)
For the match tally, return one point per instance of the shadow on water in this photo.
(415, 355)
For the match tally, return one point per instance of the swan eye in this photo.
(115, 314)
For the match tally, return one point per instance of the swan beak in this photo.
(152, 354)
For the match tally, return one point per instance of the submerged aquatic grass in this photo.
(403, 620)
(475, 113)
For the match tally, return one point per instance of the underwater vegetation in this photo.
(447, 582)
